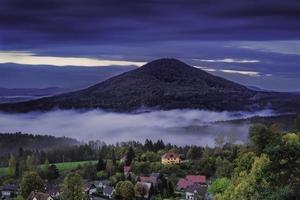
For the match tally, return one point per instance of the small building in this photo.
(108, 191)
(102, 183)
(190, 180)
(170, 157)
(90, 188)
(144, 191)
(53, 190)
(149, 179)
(193, 192)
(8, 191)
(39, 196)
(127, 170)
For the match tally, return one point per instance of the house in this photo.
(108, 191)
(149, 179)
(102, 183)
(170, 157)
(90, 188)
(8, 190)
(144, 190)
(39, 196)
(190, 180)
(123, 159)
(53, 190)
(192, 192)
(127, 170)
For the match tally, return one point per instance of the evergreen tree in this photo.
(130, 156)
(100, 165)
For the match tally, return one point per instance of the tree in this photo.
(30, 163)
(12, 166)
(261, 137)
(194, 153)
(248, 185)
(220, 140)
(140, 190)
(231, 138)
(244, 162)
(102, 174)
(101, 165)
(223, 168)
(125, 190)
(219, 186)
(297, 123)
(46, 165)
(31, 181)
(285, 169)
(150, 156)
(130, 156)
(149, 145)
(88, 171)
(73, 187)
(109, 166)
(52, 172)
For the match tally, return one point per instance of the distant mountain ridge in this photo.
(43, 76)
(31, 91)
(164, 84)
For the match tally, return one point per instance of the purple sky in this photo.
(252, 42)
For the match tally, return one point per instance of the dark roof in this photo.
(90, 185)
(52, 189)
(108, 190)
(10, 187)
(38, 196)
(155, 174)
(193, 188)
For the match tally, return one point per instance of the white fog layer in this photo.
(180, 127)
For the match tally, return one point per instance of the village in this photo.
(158, 171)
(143, 185)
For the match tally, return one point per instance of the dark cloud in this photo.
(36, 23)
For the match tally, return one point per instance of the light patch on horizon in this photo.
(205, 68)
(231, 71)
(29, 58)
(228, 60)
(248, 73)
(291, 47)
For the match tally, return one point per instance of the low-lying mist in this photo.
(179, 127)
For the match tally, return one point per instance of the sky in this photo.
(255, 43)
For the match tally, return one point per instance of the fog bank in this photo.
(180, 127)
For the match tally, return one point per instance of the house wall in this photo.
(170, 161)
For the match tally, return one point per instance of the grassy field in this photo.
(62, 167)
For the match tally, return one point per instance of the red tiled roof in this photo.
(148, 179)
(196, 178)
(170, 154)
(189, 180)
(182, 184)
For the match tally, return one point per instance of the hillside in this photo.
(12, 142)
(164, 84)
